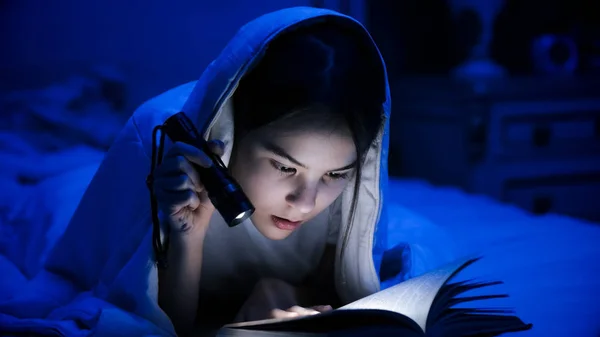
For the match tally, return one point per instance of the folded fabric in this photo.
(50, 305)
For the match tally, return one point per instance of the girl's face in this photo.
(292, 172)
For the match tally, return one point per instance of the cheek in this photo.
(260, 183)
(330, 192)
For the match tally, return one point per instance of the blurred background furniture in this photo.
(534, 142)
(497, 98)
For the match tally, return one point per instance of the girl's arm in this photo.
(319, 288)
(271, 294)
(179, 284)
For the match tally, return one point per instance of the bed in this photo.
(550, 264)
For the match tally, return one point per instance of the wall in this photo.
(157, 44)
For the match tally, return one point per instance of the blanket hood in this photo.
(208, 104)
(111, 252)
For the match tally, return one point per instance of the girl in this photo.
(297, 106)
(304, 119)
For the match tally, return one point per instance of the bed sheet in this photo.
(51, 142)
(550, 264)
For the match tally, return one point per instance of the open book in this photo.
(422, 306)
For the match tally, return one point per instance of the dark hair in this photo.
(319, 66)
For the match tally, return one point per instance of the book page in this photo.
(338, 322)
(412, 298)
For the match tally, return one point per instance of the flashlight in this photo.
(224, 192)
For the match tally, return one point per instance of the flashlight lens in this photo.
(241, 218)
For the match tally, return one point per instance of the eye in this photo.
(283, 169)
(337, 175)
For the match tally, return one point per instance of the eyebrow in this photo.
(281, 153)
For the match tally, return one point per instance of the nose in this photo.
(303, 198)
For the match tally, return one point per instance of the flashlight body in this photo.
(224, 192)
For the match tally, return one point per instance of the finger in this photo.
(322, 308)
(217, 147)
(302, 311)
(205, 199)
(175, 166)
(173, 202)
(278, 313)
(191, 153)
(177, 183)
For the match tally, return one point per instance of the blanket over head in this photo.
(104, 267)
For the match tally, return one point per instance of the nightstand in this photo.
(532, 142)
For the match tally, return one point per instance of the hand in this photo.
(272, 298)
(180, 194)
(297, 311)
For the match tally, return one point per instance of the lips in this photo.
(285, 224)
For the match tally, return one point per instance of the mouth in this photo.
(285, 224)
